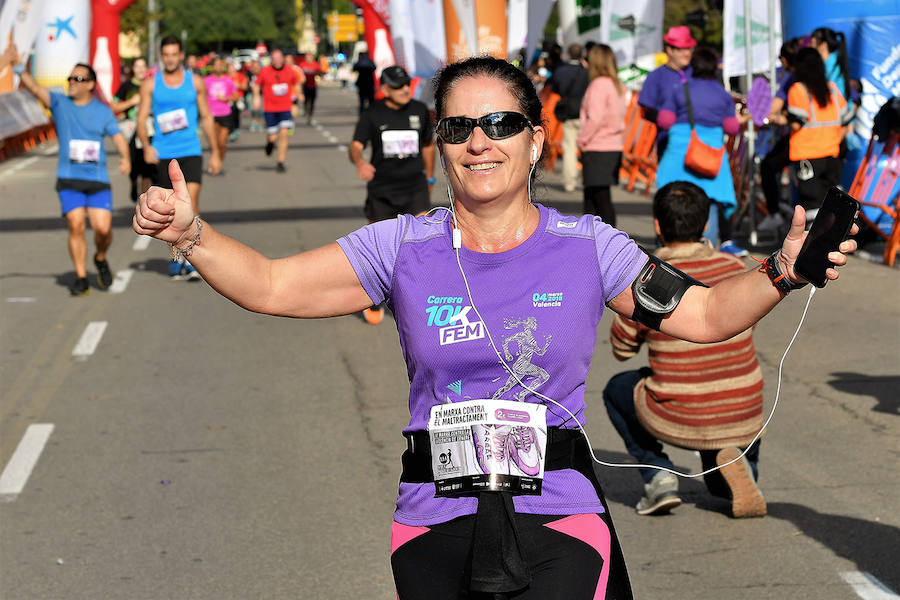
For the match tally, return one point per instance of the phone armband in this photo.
(657, 290)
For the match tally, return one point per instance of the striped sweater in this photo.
(699, 396)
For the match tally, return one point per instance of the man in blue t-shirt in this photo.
(81, 179)
(667, 79)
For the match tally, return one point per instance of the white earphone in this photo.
(533, 153)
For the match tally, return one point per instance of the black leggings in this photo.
(770, 170)
(598, 201)
(579, 558)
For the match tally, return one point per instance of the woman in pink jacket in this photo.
(602, 126)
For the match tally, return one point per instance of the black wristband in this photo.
(779, 279)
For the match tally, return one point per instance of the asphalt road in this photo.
(203, 452)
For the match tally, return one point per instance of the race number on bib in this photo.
(172, 120)
(400, 143)
(84, 151)
(488, 445)
(279, 89)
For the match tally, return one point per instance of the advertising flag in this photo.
(734, 59)
(632, 28)
(579, 21)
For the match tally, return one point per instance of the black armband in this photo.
(657, 290)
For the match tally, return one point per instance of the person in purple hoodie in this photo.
(496, 300)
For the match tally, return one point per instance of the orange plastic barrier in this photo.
(553, 143)
(23, 142)
(879, 195)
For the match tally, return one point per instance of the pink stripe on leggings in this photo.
(592, 530)
(400, 534)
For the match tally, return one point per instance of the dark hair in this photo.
(810, 71)
(836, 43)
(705, 63)
(682, 209)
(91, 73)
(789, 51)
(575, 51)
(137, 58)
(517, 83)
(171, 40)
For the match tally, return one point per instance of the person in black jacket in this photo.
(570, 80)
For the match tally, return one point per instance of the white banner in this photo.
(632, 28)
(402, 34)
(430, 46)
(28, 22)
(63, 39)
(734, 60)
(579, 21)
(516, 27)
(465, 12)
(538, 13)
(8, 12)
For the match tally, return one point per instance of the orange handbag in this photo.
(701, 158)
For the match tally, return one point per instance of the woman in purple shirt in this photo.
(497, 302)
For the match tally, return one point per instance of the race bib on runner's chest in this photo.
(488, 445)
(279, 89)
(400, 143)
(84, 151)
(172, 120)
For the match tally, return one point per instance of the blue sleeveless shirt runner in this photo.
(541, 301)
(175, 113)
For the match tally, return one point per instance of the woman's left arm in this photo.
(735, 304)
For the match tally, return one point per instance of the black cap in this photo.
(395, 77)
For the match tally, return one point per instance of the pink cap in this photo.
(680, 37)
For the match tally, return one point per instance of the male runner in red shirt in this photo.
(275, 83)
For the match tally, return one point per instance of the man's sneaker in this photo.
(373, 315)
(746, 499)
(80, 287)
(731, 248)
(175, 270)
(280, 168)
(771, 223)
(189, 273)
(660, 495)
(491, 447)
(524, 451)
(104, 275)
(269, 147)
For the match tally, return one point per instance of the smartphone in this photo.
(830, 227)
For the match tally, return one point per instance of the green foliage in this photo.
(711, 34)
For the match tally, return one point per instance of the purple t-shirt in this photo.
(550, 290)
(660, 84)
(711, 103)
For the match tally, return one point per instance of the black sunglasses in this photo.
(79, 78)
(497, 126)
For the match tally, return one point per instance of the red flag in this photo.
(377, 20)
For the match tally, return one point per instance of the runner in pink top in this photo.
(220, 93)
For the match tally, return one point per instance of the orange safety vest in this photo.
(822, 130)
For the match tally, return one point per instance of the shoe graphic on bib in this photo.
(491, 446)
(524, 451)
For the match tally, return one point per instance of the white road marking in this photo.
(22, 299)
(142, 242)
(121, 282)
(331, 139)
(867, 587)
(23, 460)
(51, 150)
(342, 148)
(89, 339)
(18, 166)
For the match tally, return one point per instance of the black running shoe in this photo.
(280, 168)
(80, 287)
(269, 147)
(104, 275)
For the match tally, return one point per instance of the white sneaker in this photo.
(771, 223)
(660, 495)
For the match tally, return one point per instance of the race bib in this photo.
(172, 120)
(280, 89)
(127, 127)
(488, 445)
(84, 151)
(400, 143)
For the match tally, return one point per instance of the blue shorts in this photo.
(278, 120)
(72, 199)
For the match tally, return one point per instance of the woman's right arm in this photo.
(317, 283)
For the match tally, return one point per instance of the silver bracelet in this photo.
(177, 253)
